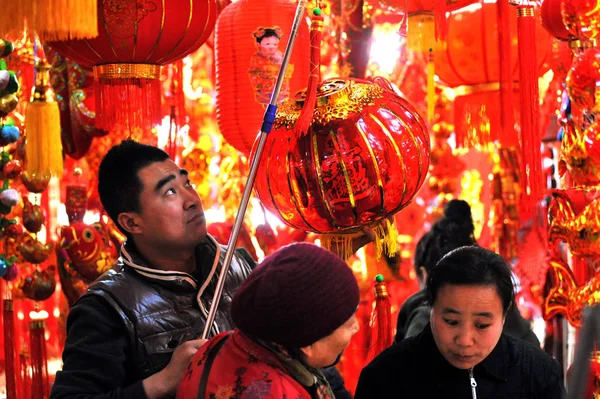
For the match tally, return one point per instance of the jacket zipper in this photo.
(473, 384)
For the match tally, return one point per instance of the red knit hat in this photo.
(296, 296)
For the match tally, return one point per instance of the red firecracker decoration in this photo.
(39, 361)
(134, 39)
(9, 348)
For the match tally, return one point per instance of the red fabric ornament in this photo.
(134, 40)
(246, 71)
(582, 79)
(552, 19)
(363, 158)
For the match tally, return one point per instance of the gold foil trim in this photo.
(36, 324)
(9, 305)
(336, 99)
(381, 291)
(127, 71)
(527, 11)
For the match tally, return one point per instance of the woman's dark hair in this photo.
(119, 185)
(472, 265)
(454, 230)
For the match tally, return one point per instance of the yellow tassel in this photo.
(52, 19)
(43, 145)
(386, 240)
(430, 87)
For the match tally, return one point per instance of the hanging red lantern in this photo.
(135, 39)
(250, 37)
(552, 19)
(363, 158)
(471, 56)
(583, 78)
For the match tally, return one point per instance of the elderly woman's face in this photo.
(467, 321)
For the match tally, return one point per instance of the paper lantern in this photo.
(471, 56)
(363, 158)
(552, 19)
(135, 39)
(246, 71)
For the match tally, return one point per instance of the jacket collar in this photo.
(494, 365)
(131, 258)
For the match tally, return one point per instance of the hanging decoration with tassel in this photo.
(43, 146)
(345, 154)
(9, 348)
(530, 137)
(380, 325)
(51, 19)
(39, 361)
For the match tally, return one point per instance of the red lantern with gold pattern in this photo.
(135, 38)
(583, 79)
(363, 158)
(250, 38)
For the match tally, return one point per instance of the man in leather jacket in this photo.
(134, 331)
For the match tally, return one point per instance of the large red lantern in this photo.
(246, 69)
(552, 19)
(363, 158)
(134, 39)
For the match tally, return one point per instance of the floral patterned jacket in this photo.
(241, 369)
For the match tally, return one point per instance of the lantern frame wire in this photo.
(268, 119)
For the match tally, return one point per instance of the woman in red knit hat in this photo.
(295, 314)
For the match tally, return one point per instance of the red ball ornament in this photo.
(552, 19)
(582, 79)
(363, 158)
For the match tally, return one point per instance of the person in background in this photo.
(294, 315)
(454, 230)
(462, 352)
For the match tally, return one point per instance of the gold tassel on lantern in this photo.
(386, 240)
(42, 126)
(52, 19)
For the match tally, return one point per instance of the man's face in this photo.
(171, 213)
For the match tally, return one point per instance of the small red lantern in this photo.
(552, 19)
(363, 158)
(250, 38)
(135, 38)
(583, 79)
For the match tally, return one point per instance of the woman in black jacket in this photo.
(462, 353)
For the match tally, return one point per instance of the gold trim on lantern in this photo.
(321, 183)
(575, 43)
(9, 305)
(388, 134)
(127, 71)
(338, 153)
(336, 99)
(43, 90)
(375, 165)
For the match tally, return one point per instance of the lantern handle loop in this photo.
(267, 124)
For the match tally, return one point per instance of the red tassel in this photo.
(39, 363)
(127, 97)
(306, 114)
(439, 16)
(507, 133)
(381, 320)
(9, 348)
(531, 166)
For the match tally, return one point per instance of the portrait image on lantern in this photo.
(265, 65)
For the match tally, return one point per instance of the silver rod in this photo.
(265, 129)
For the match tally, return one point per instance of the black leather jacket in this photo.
(158, 309)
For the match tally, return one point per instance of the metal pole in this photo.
(268, 120)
